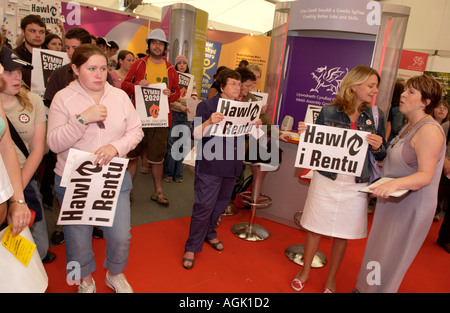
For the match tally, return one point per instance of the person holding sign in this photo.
(27, 117)
(18, 215)
(153, 69)
(73, 122)
(334, 206)
(415, 160)
(33, 31)
(214, 176)
(173, 164)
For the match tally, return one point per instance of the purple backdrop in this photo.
(315, 69)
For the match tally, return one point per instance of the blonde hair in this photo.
(254, 68)
(355, 77)
(24, 101)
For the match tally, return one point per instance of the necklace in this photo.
(411, 127)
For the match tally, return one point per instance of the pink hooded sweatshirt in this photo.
(123, 128)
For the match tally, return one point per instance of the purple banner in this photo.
(316, 67)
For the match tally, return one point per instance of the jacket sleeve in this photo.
(133, 133)
(130, 80)
(175, 88)
(380, 154)
(63, 130)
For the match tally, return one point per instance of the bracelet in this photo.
(17, 201)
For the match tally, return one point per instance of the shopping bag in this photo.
(15, 277)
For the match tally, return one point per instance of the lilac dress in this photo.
(400, 225)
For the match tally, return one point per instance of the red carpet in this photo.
(243, 267)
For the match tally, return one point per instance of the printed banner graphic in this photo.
(239, 118)
(314, 75)
(152, 105)
(44, 63)
(92, 191)
(332, 149)
(212, 55)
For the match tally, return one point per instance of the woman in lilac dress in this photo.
(415, 159)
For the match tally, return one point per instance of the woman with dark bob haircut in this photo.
(414, 159)
(214, 176)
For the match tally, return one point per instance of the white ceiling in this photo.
(246, 16)
(427, 26)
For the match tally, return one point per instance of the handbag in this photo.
(375, 170)
(29, 192)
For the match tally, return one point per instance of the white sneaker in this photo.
(118, 283)
(85, 288)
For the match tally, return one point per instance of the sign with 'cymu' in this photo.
(332, 149)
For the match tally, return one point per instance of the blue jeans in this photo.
(39, 228)
(173, 162)
(78, 238)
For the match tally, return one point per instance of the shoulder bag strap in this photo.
(17, 140)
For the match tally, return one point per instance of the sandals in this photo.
(297, 284)
(159, 197)
(188, 267)
(215, 245)
(168, 179)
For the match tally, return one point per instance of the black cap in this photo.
(11, 61)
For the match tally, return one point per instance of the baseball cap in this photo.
(11, 61)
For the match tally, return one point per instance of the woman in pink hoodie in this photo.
(93, 116)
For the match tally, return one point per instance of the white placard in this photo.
(311, 113)
(44, 63)
(332, 149)
(152, 105)
(186, 83)
(92, 191)
(261, 96)
(239, 118)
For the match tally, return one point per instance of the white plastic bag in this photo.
(16, 277)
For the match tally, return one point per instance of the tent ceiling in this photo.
(247, 16)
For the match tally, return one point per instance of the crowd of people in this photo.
(91, 107)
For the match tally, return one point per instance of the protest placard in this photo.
(239, 117)
(152, 105)
(44, 63)
(332, 149)
(92, 191)
(186, 82)
(261, 96)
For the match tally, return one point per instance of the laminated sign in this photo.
(152, 105)
(238, 118)
(332, 149)
(45, 62)
(91, 191)
(186, 82)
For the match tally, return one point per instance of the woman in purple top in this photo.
(216, 169)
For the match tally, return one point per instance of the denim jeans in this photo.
(39, 228)
(173, 162)
(78, 238)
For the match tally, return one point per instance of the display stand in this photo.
(314, 44)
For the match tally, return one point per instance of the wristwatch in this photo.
(81, 119)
